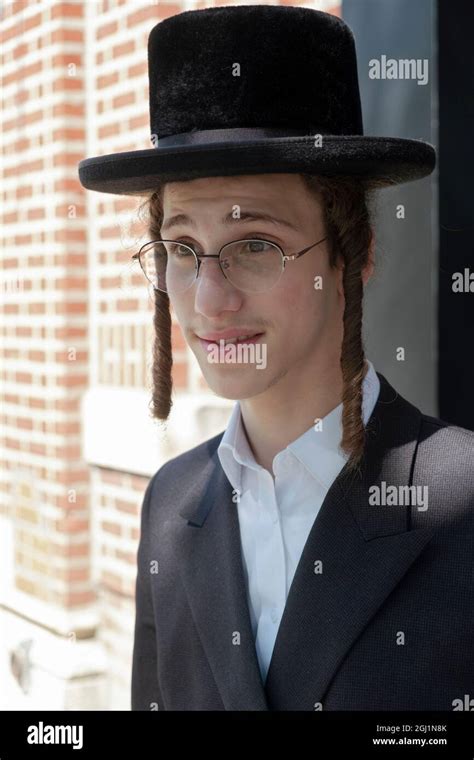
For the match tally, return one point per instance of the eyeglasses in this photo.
(251, 265)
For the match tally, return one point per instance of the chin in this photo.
(238, 387)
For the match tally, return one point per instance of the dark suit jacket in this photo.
(387, 624)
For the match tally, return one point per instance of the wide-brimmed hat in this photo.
(253, 89)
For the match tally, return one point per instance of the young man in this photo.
(317, 554)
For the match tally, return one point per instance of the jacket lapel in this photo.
(365, 551)
(211, 564)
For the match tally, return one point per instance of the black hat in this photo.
(253, 89)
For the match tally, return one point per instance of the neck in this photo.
(288, 409)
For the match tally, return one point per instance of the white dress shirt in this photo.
(276, 515)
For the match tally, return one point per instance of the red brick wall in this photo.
(73, 312)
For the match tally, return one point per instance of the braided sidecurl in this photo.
(162, 378)
(345, 204)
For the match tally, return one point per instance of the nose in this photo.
(213, 292)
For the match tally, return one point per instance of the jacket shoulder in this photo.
(437, 433)
(189, 462)
(444, 463)
(446, 449)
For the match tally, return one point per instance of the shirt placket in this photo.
(271, 568)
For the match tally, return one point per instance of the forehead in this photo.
(247, 183)
(208, 195)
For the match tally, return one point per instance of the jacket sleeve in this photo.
(145, 691)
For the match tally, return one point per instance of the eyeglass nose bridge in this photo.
(199, 258)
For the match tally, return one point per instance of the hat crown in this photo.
(253, 66)
(245, 90)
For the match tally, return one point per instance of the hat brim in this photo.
(389, 160)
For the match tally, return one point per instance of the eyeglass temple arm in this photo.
(301, 253)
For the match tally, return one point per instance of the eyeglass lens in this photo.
(253, 266)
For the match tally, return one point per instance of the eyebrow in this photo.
(228, 219)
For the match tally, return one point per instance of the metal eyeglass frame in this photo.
(199, 257)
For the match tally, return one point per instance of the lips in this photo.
(236, 339)
(231, 332)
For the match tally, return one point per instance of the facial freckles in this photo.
(298, 320)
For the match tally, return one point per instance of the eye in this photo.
(255, 246)
(180, 250)
(265, 237)
(258, 246)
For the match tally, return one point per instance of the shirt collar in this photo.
(318, 451)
